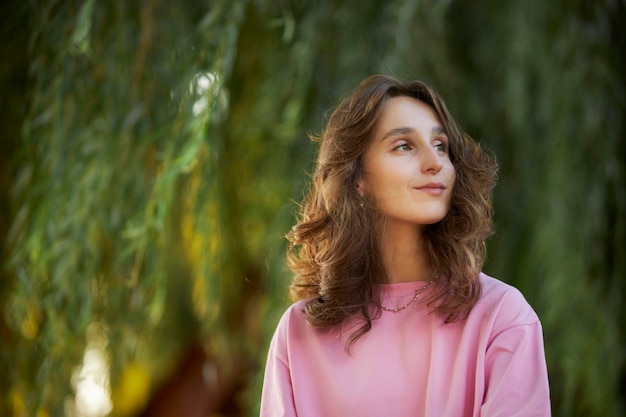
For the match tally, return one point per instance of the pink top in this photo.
(411, 363)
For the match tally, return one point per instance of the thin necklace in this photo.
(411, 301)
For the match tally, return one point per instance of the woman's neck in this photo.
(403, 254)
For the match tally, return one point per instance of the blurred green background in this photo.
(152, 152)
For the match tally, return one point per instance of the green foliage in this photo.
(154, 174)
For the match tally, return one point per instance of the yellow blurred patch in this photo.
(30, 324)
(18, 404)
(42, 412)
(199, 296)
(132, 393)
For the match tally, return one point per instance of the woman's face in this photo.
(407, 169)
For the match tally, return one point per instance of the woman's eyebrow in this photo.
(398, 131)
(405, 130)
(439, 130)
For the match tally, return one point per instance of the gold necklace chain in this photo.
(411, 301)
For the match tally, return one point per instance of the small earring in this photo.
(361, 204)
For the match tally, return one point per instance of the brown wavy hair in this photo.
(334, 252)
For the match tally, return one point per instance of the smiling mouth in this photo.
(433, 189)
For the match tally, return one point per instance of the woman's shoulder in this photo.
(505, 303)
(293, 316)
(296, 309)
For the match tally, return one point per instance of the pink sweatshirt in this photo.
(411, 363)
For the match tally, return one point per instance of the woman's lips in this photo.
(432, 188)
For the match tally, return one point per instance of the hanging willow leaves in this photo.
(155, 149)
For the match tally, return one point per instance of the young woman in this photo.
(393, 316)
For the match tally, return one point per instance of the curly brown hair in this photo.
(334, 251)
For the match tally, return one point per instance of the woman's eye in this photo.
(441, 147)
(403, 147)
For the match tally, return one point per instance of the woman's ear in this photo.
(360, 187)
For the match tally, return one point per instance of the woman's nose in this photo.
(431, 161)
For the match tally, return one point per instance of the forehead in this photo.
(409, 112)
